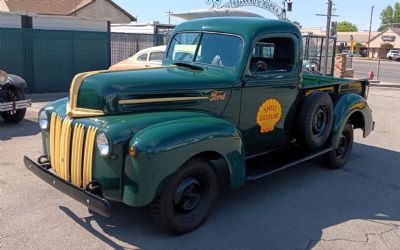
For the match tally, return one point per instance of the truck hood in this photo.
(112, 92)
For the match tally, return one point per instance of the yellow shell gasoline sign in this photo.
(269, 114)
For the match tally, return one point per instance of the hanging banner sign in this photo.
(388, 38)
(264, 4)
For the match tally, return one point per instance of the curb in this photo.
(384, 85)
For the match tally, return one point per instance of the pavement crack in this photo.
(368, 235)
(382, 223)
(310, 241)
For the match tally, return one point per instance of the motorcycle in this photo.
(13, 103)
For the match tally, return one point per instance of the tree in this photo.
(390, 17)
(345, 26)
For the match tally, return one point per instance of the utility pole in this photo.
(370, 25)
(169, 16)
(328, 27)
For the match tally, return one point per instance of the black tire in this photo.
(315, 120)
(188, 198)
(338, 158)
(14, 116)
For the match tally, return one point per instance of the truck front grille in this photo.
(71, 150)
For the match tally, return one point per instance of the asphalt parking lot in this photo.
(305, 207)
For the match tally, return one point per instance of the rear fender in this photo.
(351, 106)
(163, 148)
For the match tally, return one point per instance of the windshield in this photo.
(206, 48)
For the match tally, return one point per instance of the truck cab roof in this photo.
(247, 27)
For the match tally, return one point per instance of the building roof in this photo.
(378, 40)
(55, 7)
(395, 30)
(359, 36)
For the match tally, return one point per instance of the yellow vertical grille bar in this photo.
(74, 154)
(57, 139)
(65, 149)
(52, 138)
(88, 159)
(60, 165)
(76, 159)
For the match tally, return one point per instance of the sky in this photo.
(355, 11)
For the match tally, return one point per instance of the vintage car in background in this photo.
(230, 104)
(13, 103)
(146, 58)
(152, 57)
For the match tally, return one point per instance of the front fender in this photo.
(17, 81)
(347, 106)
(163, 148)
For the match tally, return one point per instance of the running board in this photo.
(262, 174)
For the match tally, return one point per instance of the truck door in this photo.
(270, 93)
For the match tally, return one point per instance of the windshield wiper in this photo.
(188, 65)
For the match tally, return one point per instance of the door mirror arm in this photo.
(261, 65)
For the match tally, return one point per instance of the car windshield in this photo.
(206, 48)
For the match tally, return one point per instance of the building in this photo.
(154, 27)
(95, 9)
(381, 43)
(343, 41)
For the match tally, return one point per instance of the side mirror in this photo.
(261, 66)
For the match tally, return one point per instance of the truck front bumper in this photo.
(10, 106)
(92, 201)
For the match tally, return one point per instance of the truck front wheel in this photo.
(337, 158)
(188, 198)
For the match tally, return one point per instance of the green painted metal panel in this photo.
(11, 51)
(49, 59)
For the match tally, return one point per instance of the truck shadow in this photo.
(23, 128)
(294, 209)
(28, 126)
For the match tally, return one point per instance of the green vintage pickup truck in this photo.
(230, 104)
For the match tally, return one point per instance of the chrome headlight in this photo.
(43, 120)
(3, 77)
(102, 144)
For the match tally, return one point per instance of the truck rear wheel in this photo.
(315, 120)
(337, 158)
(14, 116)
(187, 200)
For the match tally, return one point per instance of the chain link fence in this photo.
(124, 45)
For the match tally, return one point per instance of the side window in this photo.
(264, 50)
(156, 56)
(272, 55)
(142, 58)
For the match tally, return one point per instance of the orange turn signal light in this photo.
(132, 151)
